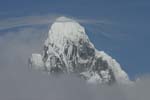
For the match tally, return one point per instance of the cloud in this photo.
(26, 21)
(99, 26)
(18, 82)
(93, 21)
(94, 25)
(13, 22)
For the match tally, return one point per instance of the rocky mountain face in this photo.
(69, 50)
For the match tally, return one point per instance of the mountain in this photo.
(68, 49)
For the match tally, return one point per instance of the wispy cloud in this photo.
(93, 21)
(26, 21)
(17, 22)
(40, 20)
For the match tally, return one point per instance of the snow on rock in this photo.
(69, 50)
(65, 29)
(36, 61)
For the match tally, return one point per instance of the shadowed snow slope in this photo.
(69, 50)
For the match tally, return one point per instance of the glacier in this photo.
(69, 50)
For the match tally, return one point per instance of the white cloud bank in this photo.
(17, 82)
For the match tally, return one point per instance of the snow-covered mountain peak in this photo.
(68, 49)
(66, 29)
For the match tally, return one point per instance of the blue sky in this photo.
(119, 27)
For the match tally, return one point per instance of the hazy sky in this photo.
(119, 27)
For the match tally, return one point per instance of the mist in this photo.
(19, 82)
